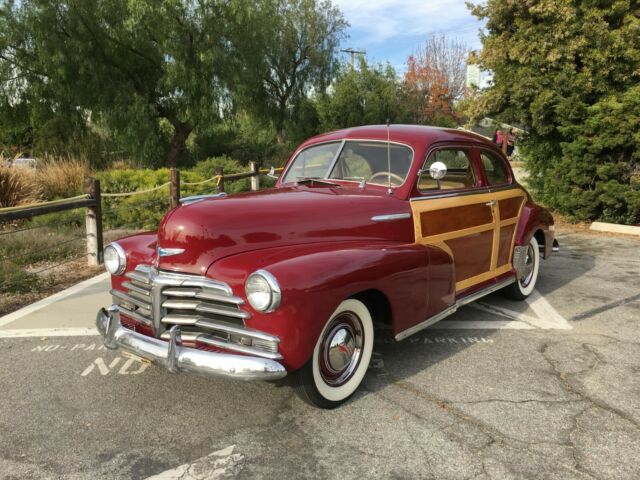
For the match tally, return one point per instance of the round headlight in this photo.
(263, 291)
(115, 260)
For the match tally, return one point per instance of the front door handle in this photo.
(491, 204)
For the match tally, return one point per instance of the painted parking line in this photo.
(219, 464)
(48, 332)
(77, 288)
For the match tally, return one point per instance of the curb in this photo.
(615, 228)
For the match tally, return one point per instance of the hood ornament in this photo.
(168, 252)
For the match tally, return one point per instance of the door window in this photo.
(494, 169)
(459, 174)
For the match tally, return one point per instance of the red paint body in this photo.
(322, 245)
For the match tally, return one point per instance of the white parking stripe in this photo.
(11, 317)
(220, 464)
(48, 332)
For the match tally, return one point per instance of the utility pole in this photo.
(353, 52)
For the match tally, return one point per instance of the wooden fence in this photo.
(92, 198)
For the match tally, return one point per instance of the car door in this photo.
(460, 215)
(508, 199)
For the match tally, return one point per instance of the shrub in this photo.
(207, 169)
(61, 177)
(17, 186)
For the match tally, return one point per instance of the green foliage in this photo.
(569, 71)
(367, 95)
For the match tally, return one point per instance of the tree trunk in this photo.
(178, 142)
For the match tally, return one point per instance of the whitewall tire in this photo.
(340, 358)
(526, 281)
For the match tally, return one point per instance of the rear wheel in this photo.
(524, 285)
(340, 358)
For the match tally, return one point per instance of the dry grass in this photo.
(18, 186)
(61, 177)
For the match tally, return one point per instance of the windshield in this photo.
(379, 163)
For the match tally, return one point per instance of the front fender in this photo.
(314, 279)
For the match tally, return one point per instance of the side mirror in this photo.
(438, 170)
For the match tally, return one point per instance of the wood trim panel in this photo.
(443, 234)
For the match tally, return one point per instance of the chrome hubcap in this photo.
(341, 349)
(527, 271)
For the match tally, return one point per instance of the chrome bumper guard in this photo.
(177, 358)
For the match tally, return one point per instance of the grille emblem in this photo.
(168, 252)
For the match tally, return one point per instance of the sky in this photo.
(391, 30)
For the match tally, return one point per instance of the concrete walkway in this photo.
(67, 313)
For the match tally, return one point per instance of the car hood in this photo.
(214, 228)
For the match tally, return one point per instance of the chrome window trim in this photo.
(298, 152)
(508, 169)
(447, 146)
(475, 191)
(335, 160)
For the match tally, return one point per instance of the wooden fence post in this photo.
(94, 223)
(174, 188)
(255, 180)
(220, 171)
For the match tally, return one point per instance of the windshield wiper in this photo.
(313, 180)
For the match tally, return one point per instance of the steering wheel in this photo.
(391, 175)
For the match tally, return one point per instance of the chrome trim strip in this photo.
(138, 277)
(199, 198)
(214, 342)
(428, 322)
(461, 193)
(193, 320)
(136, 288)
(485, 291)
(128, 298)
(135, 315)
(335, 160)
(203, 307)
(177, 358)
(169, 252)
(390, 217)
(453, 308)
(181, 292)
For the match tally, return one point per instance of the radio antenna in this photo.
(390, 191)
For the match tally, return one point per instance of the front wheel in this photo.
(524, 285)
(340, 358)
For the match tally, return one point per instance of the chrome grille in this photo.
(206, 310)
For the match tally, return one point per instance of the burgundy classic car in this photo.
(396, 225)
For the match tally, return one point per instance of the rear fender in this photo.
(534, 218)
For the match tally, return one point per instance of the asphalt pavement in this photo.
(548, 389)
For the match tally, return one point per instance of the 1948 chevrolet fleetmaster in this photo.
(399, 225)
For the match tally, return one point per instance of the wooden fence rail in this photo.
(92, 201)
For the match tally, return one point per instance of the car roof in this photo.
(409, 134)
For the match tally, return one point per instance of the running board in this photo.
(453, 308)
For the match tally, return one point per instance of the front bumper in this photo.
(177, 358)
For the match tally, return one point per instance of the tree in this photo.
(367, 95)
(435, 80)
(569, 71)
(129, 64)
(301, 43)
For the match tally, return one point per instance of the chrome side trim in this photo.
(390, 217)
(169, 252)
(452, 309)
(485, 291)
(178, 358)
(428, 322)
(199, 198)
(461, 193)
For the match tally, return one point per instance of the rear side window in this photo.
(459, 174)
(494, 169)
